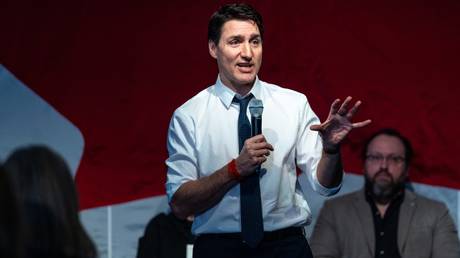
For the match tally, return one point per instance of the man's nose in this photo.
(384, 163)
(246, 50)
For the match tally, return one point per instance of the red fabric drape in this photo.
(118, 72)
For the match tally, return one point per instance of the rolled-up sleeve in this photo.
(182, 161)
(309, 149)
(319, 188)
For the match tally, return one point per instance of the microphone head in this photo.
(256, 107)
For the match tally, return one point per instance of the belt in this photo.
(268, 235)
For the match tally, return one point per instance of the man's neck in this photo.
(382, 208)
(241, 89)
(382, 204)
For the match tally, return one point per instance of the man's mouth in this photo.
(383, 174)
(245, 65)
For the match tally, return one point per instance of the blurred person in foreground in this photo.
(385, 219)
(48, 199)
(10, 220)
(166, 236)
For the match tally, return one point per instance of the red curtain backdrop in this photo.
(119, 70)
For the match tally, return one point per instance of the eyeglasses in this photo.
(392, 160)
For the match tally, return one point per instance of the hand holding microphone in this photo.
(255, 149)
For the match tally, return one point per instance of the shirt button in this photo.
(382, 233)
(381, 252)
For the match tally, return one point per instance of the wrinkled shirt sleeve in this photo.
(182, 160)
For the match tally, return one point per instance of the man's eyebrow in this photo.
(255, 36)
(240, 37)
(236, 37)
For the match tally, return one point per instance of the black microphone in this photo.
(256, 107)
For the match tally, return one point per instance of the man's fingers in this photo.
(257, 142)
(361, 124)
(343, 108)
(262, 159)
(258, 152)
(257, 138)
(261, 145)
(261, 152)
(320, 128)
(270, 147)
(334, 107)
(353, 110)
(315, 127)
(259, 160)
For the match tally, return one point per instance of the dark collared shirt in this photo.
(386, 228)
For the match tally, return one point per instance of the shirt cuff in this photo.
(325, 191)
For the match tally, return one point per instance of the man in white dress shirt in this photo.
(209, 160)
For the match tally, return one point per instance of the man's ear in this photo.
(212, 49)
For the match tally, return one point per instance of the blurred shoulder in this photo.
(344, 201)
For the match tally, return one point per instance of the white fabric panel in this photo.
(26, 119)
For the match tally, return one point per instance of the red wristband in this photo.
(231, 168)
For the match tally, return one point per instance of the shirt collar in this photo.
(226, 95)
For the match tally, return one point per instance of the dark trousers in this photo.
(285, 243)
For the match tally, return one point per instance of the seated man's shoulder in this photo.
(344, 200)
(430, 205)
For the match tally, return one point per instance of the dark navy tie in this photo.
(252, 227)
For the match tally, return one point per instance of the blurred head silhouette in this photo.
(47, 194)
(10, 220)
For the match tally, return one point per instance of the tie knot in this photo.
(243, 102)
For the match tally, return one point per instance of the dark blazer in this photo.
(345, 228)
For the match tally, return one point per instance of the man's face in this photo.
(385, 166)
(238, 53)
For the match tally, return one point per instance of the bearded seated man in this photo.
(384, 219)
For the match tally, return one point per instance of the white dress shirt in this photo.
(203, 137)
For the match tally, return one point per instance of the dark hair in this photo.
(47, 194)
(10, 220)
(229, 12)
(408, 151)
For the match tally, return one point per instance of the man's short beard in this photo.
(383, 194)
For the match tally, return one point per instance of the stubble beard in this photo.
(383, 192)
